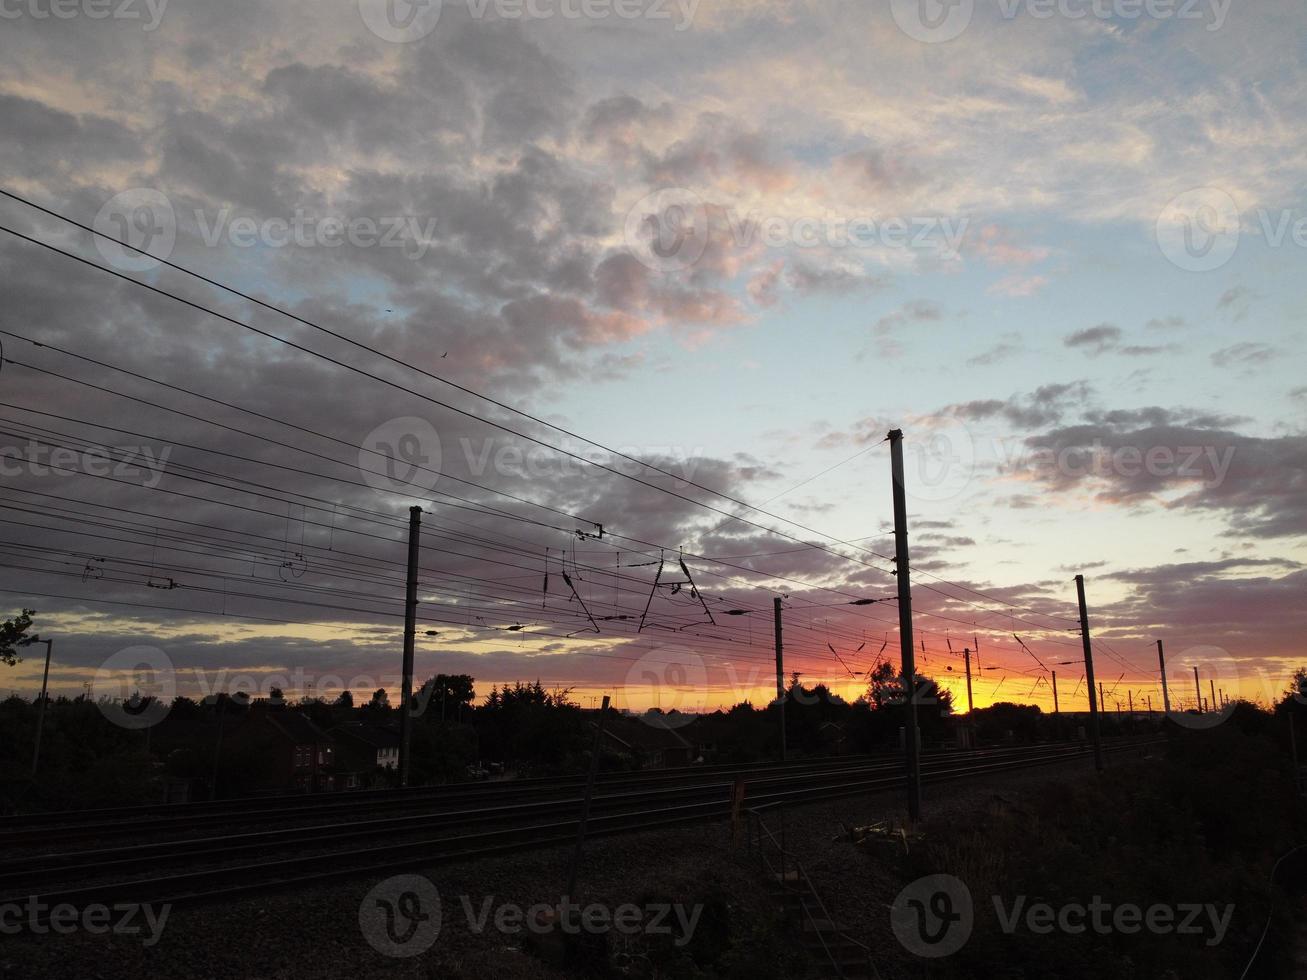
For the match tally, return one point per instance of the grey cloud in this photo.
(1095, 340)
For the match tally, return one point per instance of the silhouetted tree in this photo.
(14, 635)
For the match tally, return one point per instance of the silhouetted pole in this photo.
(966, 658)
(1130, 699)
(217, 748)
(1150, 705)
(1216, 705)
(780, 670)
(1198, 690)
(905, 620)
(1293, 754)
(40, 712)
(1056, 710)
(1161, 663)
(1089, 674)
(410, 628)
(585, 807)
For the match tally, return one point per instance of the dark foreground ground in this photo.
(1174, 829)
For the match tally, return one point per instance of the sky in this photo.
(731, 243)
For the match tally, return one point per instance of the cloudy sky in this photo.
(1059, 245)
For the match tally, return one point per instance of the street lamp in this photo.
(40, 711)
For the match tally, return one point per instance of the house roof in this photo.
(646, 732)
(376, 736)
(294, 726)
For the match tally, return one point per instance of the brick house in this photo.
(299, 756)
(361, 749)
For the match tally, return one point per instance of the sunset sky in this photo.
(1063, 253)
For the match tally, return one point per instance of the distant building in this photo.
(649, 741)
(361, 749)
(298, 754)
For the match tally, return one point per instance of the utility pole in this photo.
(905, 620)
(1089, 674)
(40, 712)
(585, 806)
(1198, 690)
(1056, 710)
(410, 628)
(780, 670)
(966, 658)
(1161, 663)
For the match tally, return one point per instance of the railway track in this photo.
(227, 866)
(56, 828)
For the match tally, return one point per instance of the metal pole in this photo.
(1056, 710)
(585, 807)
(40, 711)
(905, 620)
(410, 628)
(1161, 663)
(1198, 690)
(219, 706)
(780, 670)
(1293, 753)
(1089, 673)
(971, 704)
